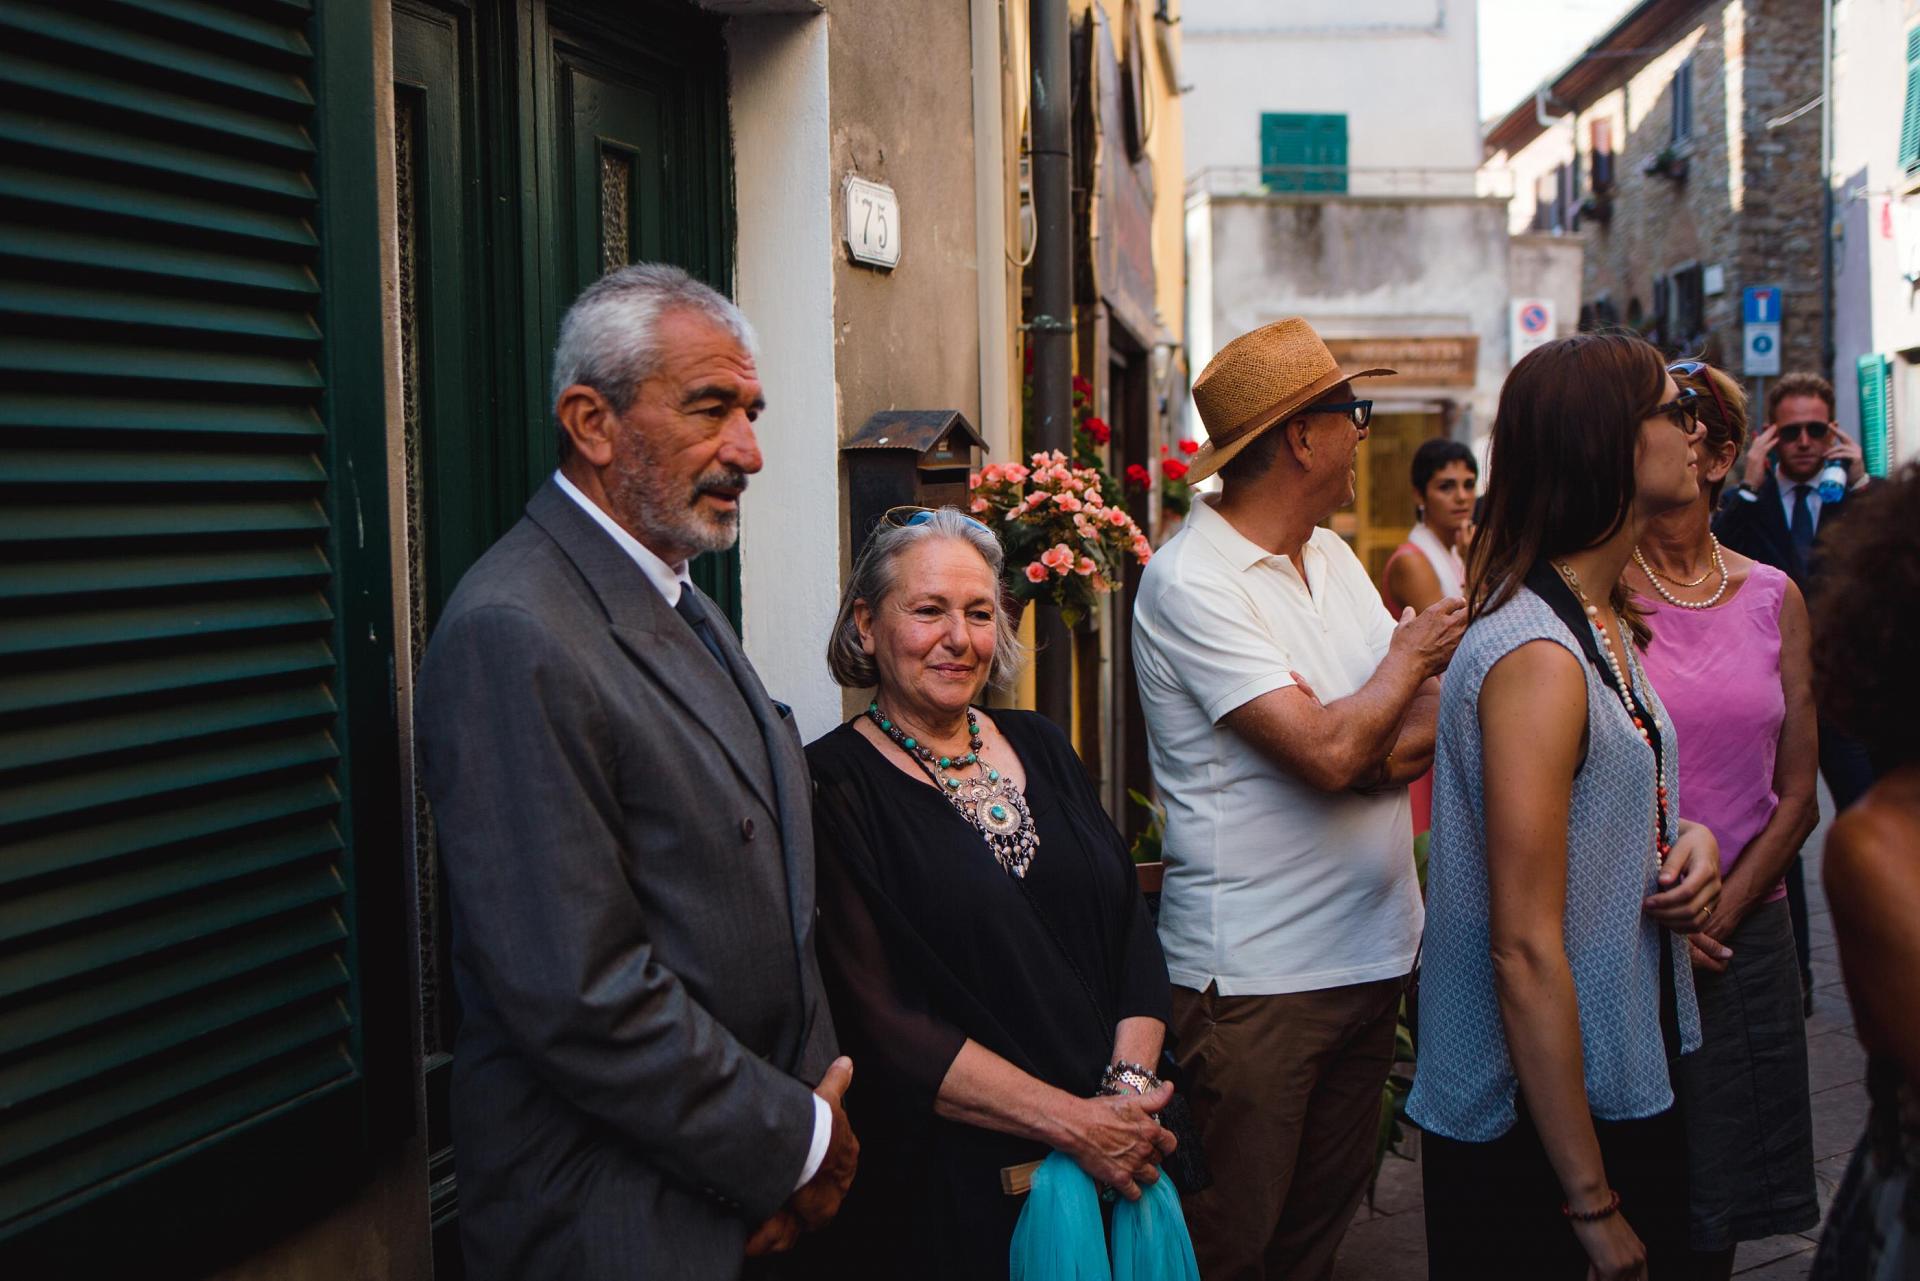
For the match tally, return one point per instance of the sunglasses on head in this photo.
(905, 517)
(1700, 369)
(1787, 433)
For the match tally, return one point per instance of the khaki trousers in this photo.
(1286, 1094)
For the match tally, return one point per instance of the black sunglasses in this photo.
(1357, 412)
(1681, 411)
(1787, 433)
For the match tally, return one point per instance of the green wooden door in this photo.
(1303, 152)
(639, 159)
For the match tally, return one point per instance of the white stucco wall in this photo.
(1364, 269)
(1875, 308)
(1404, 72)
(790, 520)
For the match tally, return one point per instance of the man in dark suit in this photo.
(1775, 514)
(644, 1083)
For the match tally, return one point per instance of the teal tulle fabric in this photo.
(1059, 1235)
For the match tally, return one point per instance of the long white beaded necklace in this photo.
(1625, 689)
(1718, 564)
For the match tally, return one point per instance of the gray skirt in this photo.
(1743, 1093)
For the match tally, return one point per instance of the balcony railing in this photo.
(1348, 180)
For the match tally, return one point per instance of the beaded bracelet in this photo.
(1141, 1080)
(1607, 1211)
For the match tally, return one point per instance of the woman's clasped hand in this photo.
(1116, 1139)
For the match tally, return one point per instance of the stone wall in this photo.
(1749, 202)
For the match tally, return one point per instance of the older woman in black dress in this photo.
(991, 964)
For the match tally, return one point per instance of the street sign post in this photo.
(1761, 309)
(1530, 325)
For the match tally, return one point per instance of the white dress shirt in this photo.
(1272, 885)
(670, 581)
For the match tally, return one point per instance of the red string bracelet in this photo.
(1611, 1208)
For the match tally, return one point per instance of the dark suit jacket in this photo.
(1757, 527)
(629, 854)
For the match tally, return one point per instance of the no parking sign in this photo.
(1530, 324)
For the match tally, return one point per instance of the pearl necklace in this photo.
(1718, 564)
(1625, 689)
(989, 801)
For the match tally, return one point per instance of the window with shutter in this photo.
(1910, 118)
(1602, 149)
(1876, 410)
(1303, 152)
(178, 965)
(1681, 92)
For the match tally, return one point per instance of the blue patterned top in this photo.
(1464, 1085)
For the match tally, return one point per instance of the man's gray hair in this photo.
(607, 336)
(875, 577)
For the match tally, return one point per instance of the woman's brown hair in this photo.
(1562, 477)
(1722, 407)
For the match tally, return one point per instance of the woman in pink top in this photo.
(1729, 658)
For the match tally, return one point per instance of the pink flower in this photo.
(1094, 498)
(978, 505)
(1034, 499)
(1117, 517)
(1036, 572)
(1085, 566)
(1067, 502)
(973, 481)
(1013, 472)
(1040, 459)
(1058, 558)
(1142, 548)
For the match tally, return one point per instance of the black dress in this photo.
(925, 943)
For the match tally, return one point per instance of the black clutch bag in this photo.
(1187, 1167)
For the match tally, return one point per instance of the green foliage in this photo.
(1147, 846)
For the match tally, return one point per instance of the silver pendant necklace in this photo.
(988, 800)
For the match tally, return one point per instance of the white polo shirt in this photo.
(1271, 885)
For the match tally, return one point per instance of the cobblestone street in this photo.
(1388, 1242)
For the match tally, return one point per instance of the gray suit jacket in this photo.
(629, 855)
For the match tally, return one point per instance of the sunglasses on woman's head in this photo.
(1700, 369)
(905, 517)
(1787, 433)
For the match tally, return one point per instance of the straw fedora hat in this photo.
(1261, 378)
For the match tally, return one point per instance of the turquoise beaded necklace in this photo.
(988, 800)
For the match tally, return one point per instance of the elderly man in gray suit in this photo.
(645, 1082)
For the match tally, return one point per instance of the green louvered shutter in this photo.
(1303, 152)
(175, 956)
(1910, 118)
(1876, 411)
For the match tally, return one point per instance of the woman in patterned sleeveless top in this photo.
(1553, 990)
(1867, 614)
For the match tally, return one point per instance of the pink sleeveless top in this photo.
(1718, 672)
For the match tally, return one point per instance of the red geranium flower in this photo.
(1139, 477)
(1173, 468)
(1189, 447)
(1082, 386)
(1098, 429)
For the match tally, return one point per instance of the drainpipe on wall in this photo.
(1050, 331)
(1826, 188)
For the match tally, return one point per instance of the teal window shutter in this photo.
(1876, 411)
(1303, 152)
(1910, 120)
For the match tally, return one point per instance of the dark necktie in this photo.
(696, 618)
(1802, 528)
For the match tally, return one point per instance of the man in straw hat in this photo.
(1286, 713)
